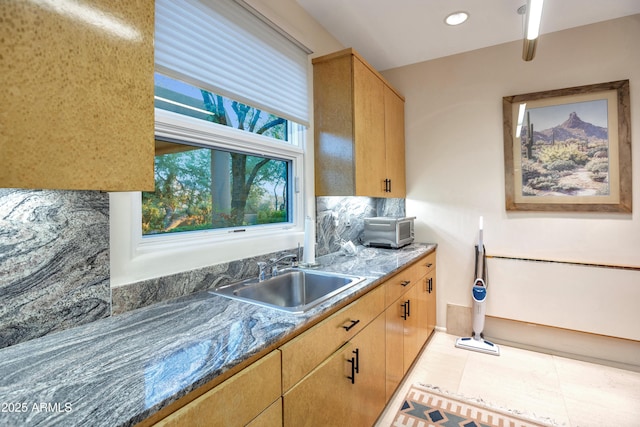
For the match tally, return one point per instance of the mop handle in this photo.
(479, 247)
(484, 265)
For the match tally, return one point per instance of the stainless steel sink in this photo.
(293, 291)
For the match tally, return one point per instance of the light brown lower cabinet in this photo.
(308, 350)
(410, 320)
(402, 340)
(238, 400)
(348, 388)
(430, 286)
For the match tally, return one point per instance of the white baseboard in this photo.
(610, 351)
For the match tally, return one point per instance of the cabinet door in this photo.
(77, 101)
(422, 312)
(324, 396)
(369, 388)
(368, 107)
(333, 129)
(394, 143)
(411, 337)
(425, 271)
(402, 344)
(431, 301)
(394, 347)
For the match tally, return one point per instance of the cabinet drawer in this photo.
(235, 401)
(301, 355)
(424, 266)
(398, 285)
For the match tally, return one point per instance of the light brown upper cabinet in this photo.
(359, 129)
(77, 95)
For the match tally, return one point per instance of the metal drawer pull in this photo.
(353, 370)
(429, 265)
(405, 283)
(353, 323)
(387, 185)
(355, 366)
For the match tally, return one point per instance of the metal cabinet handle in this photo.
(387, 185)
(405, 282)
(405, 311)
(357, 353)
(353, 323)
(430, 284)
(353, 370)
(355, 366)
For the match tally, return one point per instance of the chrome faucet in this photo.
(273, 264)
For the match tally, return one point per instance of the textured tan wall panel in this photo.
(76, 103)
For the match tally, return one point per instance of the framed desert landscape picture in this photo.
(569, 149)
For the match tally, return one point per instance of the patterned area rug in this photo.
(426, 407)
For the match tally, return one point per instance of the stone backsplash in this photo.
(147, 292)
(341, 219)
(54, 259)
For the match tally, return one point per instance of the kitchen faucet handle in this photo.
(262, 266)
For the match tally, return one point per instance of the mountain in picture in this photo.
(572, 128)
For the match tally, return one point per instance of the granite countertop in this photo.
(120, 370)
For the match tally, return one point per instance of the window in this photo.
(220, 63)
(183, 98)
(202, 189)
(231, 94)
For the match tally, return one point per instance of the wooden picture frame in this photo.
(570, 164)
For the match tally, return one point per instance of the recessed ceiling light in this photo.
(456, 18)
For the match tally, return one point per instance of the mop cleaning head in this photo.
(480, 345)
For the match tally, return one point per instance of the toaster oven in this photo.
(388, 232)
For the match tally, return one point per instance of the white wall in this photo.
(455, 173)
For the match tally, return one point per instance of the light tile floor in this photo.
(571, 392)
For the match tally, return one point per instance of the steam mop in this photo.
(479, 293)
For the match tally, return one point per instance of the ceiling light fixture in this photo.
(533, 15)
(456, 18)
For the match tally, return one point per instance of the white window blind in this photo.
(220, 46)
